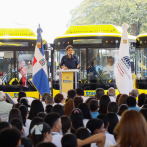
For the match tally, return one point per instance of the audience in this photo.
(54, 121)
(94, 108)
(113, 107)
(66, 124)
(4, 106)
(36, 107)
(68, 107)
(69, 140)
(78, 100)
(111, 94)
(104, 101)
(71, 94)
(21, 94)
(122, 99)
(41, 114)
(24, 112)
(122, 108)
(44, 98)
(82, 133)
(113, 120)
(80, 92)
(45, 144)
(134, 93)
(76, 117)
(144, 113)
(109, 136)
(141, 99)
(131, 131)
(48, 99)
(131, 103)
(10, 137)
(59, 109)
(41, 133)
(24, 101)
(35, 121)
(26, 142)
(15, 113)
(117, 98)
(58, 99)
(98, 93)
(48, 108)
(95, 126)
(86, 113)
(4, 125)
(100, 116)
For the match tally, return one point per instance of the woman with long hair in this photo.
(68, 107)
(36, 107)
(122, 99)
(104, 101)
(131, 131)
(66, 124)
(76, 119)
(86, 113)
(41, 133)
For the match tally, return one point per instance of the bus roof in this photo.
(18, 34)
(94, 30)
(142, 35)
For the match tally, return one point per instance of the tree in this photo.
(115, 12)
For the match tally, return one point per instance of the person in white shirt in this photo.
(106, 125)
(110, 66)
(4, 106)
(45, 95)
(111, 94)
(58, 99)
(80, 93)
(54, 121)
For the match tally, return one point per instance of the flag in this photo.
(123, 67)
(40, 78)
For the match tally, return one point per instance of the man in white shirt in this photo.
(111, 94)
(110, 66)
(54, 121)
(47, 99)
(4, 106)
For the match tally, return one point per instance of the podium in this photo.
(67, 79)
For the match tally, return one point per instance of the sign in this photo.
(67, 81)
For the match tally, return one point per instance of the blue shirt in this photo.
(70, 63)
(94, 114)
(134, 108)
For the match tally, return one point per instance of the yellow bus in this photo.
(93, 45)
(141, 63)
(17, 46)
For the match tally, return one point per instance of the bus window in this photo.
(7, 66)
(24, 64)
(101, 66)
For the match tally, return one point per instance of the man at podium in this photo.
(69, 61)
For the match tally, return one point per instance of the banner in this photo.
(124, 81)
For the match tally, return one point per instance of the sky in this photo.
(52, 15)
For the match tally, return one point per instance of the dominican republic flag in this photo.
(123, 67)
(40, 78)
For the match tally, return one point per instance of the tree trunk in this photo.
(135, 29)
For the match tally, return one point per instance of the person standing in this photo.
(69, 61)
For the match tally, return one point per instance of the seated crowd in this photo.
(106, 120)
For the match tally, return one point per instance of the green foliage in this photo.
(115, 12)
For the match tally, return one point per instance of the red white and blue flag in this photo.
(123, 68)
(40, 78)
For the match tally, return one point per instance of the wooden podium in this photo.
(66, 79)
